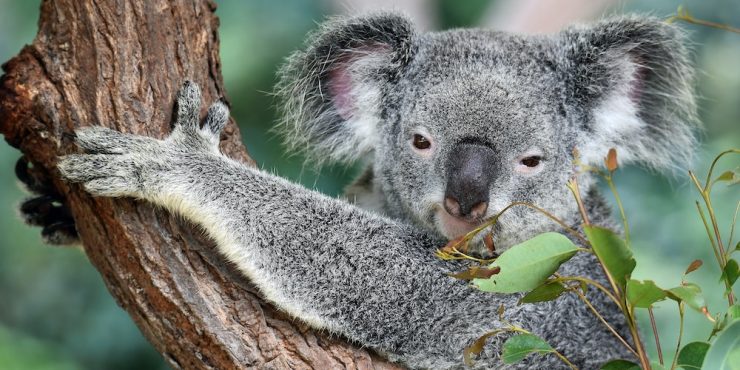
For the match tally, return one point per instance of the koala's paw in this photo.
(116, 164)
(46, 208)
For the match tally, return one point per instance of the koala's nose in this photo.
(469, 174)
(453, 207)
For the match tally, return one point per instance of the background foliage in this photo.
(55, 312)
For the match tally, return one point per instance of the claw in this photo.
(44, 210)
(32, 183)
(60, 233)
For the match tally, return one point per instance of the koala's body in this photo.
(454, 126)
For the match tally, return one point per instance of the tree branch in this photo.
(119, 64)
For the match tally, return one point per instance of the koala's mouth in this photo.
(452, 227)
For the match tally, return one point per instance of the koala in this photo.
(452, 127)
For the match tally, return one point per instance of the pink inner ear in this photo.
(340, 89)
(340, 78)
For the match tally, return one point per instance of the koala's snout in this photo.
(471, 167)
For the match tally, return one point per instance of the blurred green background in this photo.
(55, 312)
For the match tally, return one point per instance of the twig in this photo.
(680, 334)
(621, 208)
(603, 320)
(592, 282)
(732, 229)
(573, 186)
(493, 219)
(684, 15)
(655, 334)
(709, 234)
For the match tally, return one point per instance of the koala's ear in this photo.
(331, 94)
(633, 81)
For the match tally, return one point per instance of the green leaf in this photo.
(643, 293)
(723, 354)
(527, 265)
(620, 365)
(726, 176)
(613, 252)
(545, 292)
(519, 346)
(730, 272)
(689, 294)
(734, 312)
(692, 355)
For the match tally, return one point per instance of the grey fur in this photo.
(372, 276)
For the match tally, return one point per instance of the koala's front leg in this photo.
(332, 265)
(119, 164)
(320, 259)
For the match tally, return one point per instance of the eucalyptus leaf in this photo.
(477, 347)
(527, 265)
(548, 291)
(730, 272)
(643, 293)
(613, 252)
(724, 354)
(620, 365)
(734, 312)
(519, 346)
(693, 266)
(726, 176)
(475, 272)
(690, 294)
(692, 355)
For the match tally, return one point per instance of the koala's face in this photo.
(470, 136)
(462, 123)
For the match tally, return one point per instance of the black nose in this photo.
(470, 170)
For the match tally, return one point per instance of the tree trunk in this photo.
(120, 64)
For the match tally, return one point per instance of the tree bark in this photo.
(120, 64)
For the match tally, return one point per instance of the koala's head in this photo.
(459, 124)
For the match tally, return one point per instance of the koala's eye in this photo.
(421, 143)
(532, 161)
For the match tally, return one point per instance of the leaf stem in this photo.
(613, 189)
(704, 192)
(595, 283)
(684, 15)
(714, 162)
(564, 359)
(709, 234)
(680, 335)
(644, 360)
(573, 186)
(732, 231)
(603, 320)
(655, 334)
(494, 219)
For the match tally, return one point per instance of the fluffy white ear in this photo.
(331, 93)
(633, 78)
